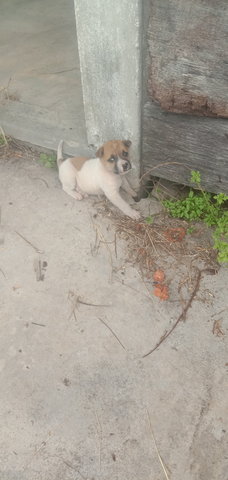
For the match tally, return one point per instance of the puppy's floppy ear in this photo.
(127, 143)
(100, 152)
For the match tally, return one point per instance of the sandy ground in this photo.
(76, 394)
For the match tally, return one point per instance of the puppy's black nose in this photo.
(126, 166)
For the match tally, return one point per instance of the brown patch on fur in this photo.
(113, 147)
(78, 162)
(100, 152)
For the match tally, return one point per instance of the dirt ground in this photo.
(79, 400)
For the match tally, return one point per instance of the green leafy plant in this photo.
(195, 177)
(207, 207)
(190, 230)
(48, 161)
(149, 220)
(2, 140)
(221, 238)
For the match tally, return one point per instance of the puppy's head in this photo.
(114, 156)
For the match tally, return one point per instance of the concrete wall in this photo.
(109, 43)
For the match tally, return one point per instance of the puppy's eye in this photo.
(124, 153)
(111, 159)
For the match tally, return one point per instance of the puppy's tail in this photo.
(60, 153)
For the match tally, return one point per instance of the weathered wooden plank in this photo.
(200, 143)
(188, 47)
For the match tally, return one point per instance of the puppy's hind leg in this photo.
(83, 194)
(70, 189)
(68, 180)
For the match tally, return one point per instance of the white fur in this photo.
(94, 179)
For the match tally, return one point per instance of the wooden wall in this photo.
(185, 117)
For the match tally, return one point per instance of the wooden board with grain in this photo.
(188, 56)
(200, 143)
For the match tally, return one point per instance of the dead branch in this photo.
(38, 324)
(102, 239)
(156, 448)
(68, 464)
(115, 245)
(79, 300)
(99, 433)
(29, 243)
(164, 164)
(113, 333)
(2, 273)
(218, 313)
(217, 328)
(182, 316)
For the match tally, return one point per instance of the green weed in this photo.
(48, 161)
(149, 220)
(207, 207)
(190, 230)
(2, 140)
(195, 177)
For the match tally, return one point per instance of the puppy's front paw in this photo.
(134, 215)
(77, 196)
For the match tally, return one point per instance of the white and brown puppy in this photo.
(104, 174)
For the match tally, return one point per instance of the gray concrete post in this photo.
(109, 43)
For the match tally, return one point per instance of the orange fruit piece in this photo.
(162, 292)
(159, 276)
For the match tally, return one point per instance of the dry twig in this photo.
(38, 269)
(38, 324)
(147, 243)
(113, 333)
(99, 433)
(219, 313)
(79, 300)
(164, 164)
(156, 448)
(100, 236)
(29, 243)
(2, 273)
(217, 328)
(68, 464)
(76, 299)
(182, 316)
